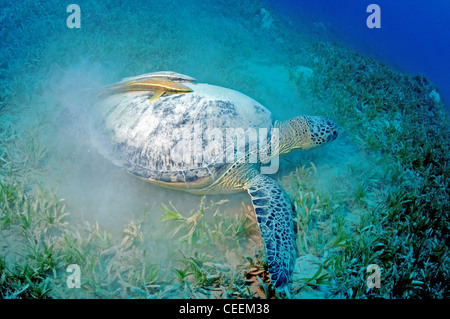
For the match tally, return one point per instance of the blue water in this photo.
(414, 35)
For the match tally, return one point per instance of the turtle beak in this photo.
(332, 131)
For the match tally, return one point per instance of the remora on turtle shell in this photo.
(158, 83)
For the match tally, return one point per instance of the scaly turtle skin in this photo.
(181, 141)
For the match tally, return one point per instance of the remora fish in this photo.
(158, 86)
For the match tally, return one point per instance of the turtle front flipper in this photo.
(275, 219)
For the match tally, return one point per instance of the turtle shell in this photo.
(180, 140)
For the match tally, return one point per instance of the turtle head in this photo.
(308, 132)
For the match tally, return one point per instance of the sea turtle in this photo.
(181, 141)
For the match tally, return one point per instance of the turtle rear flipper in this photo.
(274, 214)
